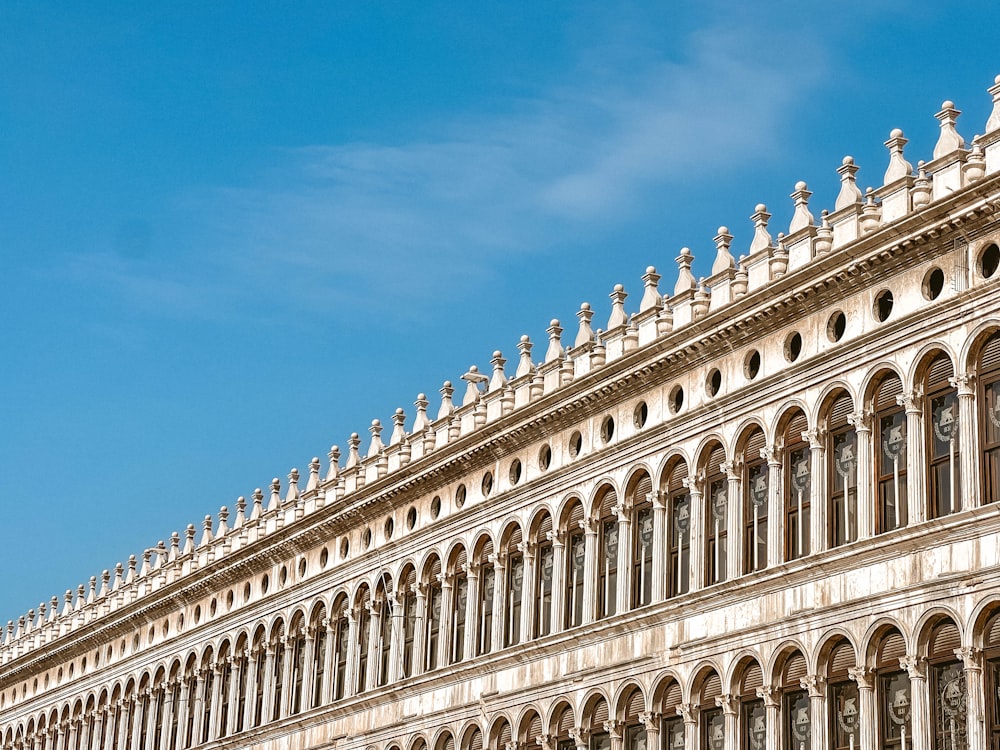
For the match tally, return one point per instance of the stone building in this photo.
(758, 512)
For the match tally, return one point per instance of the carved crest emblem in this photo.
(894, 442)
(845, 458)
(800, 473)
(944, 422)
(719, 503)
(847, 715)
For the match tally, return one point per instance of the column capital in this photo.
(864, 676)
(911, 401)
(816, 438)
(815, 684)
(915, 666)
(580, 736)
(964, 383)
(729, 704)
(689, 712)
(971, 657)
(694, 482)
(614, 728)
(770, 695)
(860, 420)
(651, 720)
(772, 453)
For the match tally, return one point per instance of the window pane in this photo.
(949, 698)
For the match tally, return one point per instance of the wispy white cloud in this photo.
(578, 158)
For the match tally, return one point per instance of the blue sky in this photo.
(231, 234)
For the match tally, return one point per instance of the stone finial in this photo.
(206, 532)
(223, 522)
(949, 140)
(685, 279)
(79, 602)
(650, 292)
(398, 427)
(779, 260)
(376, 446)
(144, 569)
(54, 606)
(132, 563)
(241, 513)
(258, 504)
(175, 546)
(67, 609)
(499, 379)
(314, 466)
(741, 279)
(555, 350)
(524, 363)
(116, 585)
(850, 193)
(92, 590)
(420, 422)
(585, 335)
(334, 456)
(292, 495)
(898, 166)
(161, 554)
(29, 621)
(618, 316)
(920, 193)
(723, 258)
(974, 168)
(994, 122)
(823, 243)
(761, 237)
(105, 584)
(447, 405)
(275, 500)
(802, 217)
(473, 380)
(871, 213)
(353, 456)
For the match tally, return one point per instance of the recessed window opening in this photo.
(751, 368)
(713, 383)
(836, 326)
(933, 284)
(989, 261)
(883, 306)
(793, 346)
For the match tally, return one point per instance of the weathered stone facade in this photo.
(759, 512)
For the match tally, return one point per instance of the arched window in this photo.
(318, 666)
(515, 589)
(795, 704)
(159, 701)
(545, 562)
(562, 729)
(225, 683)
(600, 738)
(363, 623)
(576, 553)
(408, 597)
(755, 491)
(634, 731)
(341, 642)
(487, 589)
(175, 704)
(679, 532)
(947, 684)
(383, 606)
(296, 654)
(989, 418)
(142, 703)
(713, 721)
(642, 541)
(259, 655)
(796, 488)
(890, 455)
(671, 723)
(893, 687)
(460, 604)
(432, 629)
(941, 434)
(842, 473)
(607, 555)
(753, 716)
(991, 654)
(191, 680)
(844, 706)
(530, 732)
(278, 677)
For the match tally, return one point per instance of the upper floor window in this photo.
(515, 589)
(363, 621)
(460, 603)
(607, 555)
(796, 488)
(716, 505)
(408, 600)
(890, 455)
(575, 566)
(948, 692)
(795, 704)
(432, 628)
(679, 532)
(989, 417)
(893, 694)
(941, 419)
(487, 582)
(642, 542)
(383, 608)
(842, 473)
(545, 562)
(755, 492)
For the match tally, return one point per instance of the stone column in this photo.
(168, 716)
(558, 580)
(734, 520)
(471, 612)
(614, 730)
(199, 708)
(696, 538)
(95, 737)
(236, 667)
(60, 734)
(352, 653)
(286, 676)
(975, 722)
(154, 700)
(691, 712)
(444, 627)
(213, 725)
(328, 671)
(623, 596)
(581, 737)
(308, 669)
(651, 721)
(499, 601)
(85, 733)
(775, 506)
(968, 440)
(397, 635)
(420, 630)
(590, 570)
(660, 558)
(74, 730)
(268, 695)
(862, 422)
(915, 510)
(816, 685)
(529, 591)
(818, 531)
(136, 720)
(772, 716)
(916, 666)
(375, 615)
(730, 706)
(864, 677)
(250, 699)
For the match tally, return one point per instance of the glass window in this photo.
(607, 569)
(989, 418)
(755, 505)
(409, 628)
(894, 709)
(890, 455)
(515, 592)
(842, 475)
(941, 404)
(384, 639)
(642, 555)
(364, 620)
(461, 598)
(543, 605)
(672, 733)
(575, 565)
(713, 726)
(754, 717)
(797, 723)
(679, 510)
(433, 631)
(486, 583)
(797, 491)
